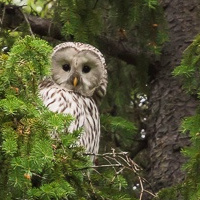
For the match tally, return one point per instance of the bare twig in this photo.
(42, 177)
(3, 15)
(142, 188)
(28, 23)
(119, 162)
(106, 154)
(102, 166)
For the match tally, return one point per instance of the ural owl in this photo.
(76, 86)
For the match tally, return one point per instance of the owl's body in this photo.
(77, 85)
(83, 109)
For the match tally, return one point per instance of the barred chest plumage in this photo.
(82, 108)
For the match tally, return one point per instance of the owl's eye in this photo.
(66, 67)
(86, 69)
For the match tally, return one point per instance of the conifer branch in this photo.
(11, 18)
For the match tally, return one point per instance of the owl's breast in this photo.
(59, 100)
(82, 108)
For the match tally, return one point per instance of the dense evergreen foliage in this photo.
(188, 71)
(35, 166)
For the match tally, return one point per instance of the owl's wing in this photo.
(91, 135)
(100, 91)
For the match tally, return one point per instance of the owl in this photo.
(77, 85)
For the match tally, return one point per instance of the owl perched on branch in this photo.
(77, 85)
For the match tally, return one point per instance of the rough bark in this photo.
(168, 102)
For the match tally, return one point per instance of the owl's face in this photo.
(78, 67)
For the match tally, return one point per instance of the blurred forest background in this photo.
(150, 121)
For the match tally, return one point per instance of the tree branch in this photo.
(12, 18)
(120, 50)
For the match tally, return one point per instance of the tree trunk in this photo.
(169, 104)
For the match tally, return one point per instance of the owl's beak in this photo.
(75, 81)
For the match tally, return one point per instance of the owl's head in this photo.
(80, 68)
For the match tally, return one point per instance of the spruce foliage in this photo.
(27, 151)
(34, 165)
(188, 72)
